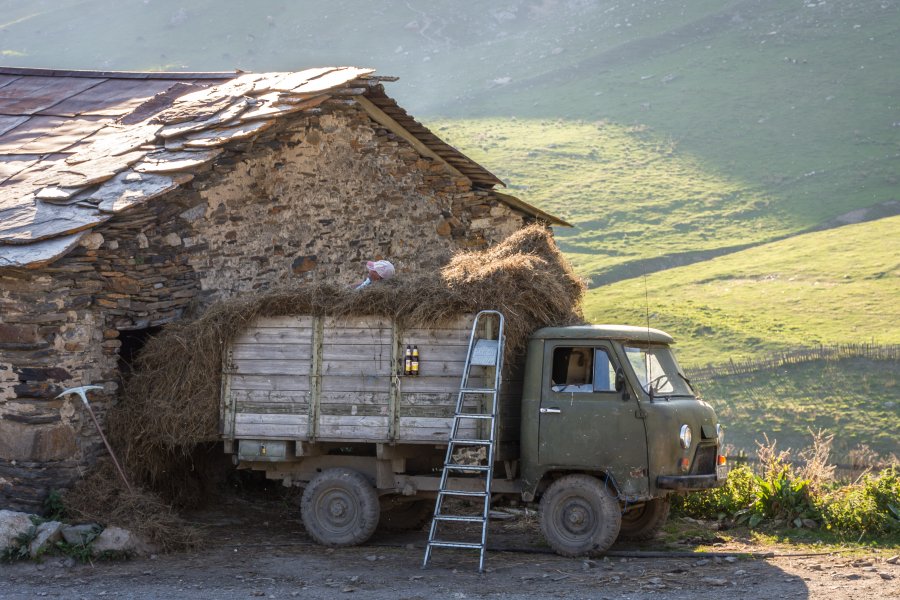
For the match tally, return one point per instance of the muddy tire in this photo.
(579, 515)
(340, 508)
(406, 516)
(642, 523)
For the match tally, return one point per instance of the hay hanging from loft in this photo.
(171, 404)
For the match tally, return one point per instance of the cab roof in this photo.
(615, 332)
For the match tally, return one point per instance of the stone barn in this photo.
(127, 199)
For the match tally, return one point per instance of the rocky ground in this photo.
(253, 550)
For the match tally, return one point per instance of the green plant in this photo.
(54, 509)
(18, 550)
(869, 507)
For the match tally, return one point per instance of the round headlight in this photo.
(685, 436)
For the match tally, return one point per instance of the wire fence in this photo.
(872, 351)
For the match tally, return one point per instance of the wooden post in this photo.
(315, 377)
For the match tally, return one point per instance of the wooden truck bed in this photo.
(315, 379)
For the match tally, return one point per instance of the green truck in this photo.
(596, 425)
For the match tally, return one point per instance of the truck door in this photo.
(584, 421)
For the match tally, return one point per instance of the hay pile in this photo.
(171, 403)
(102, 498)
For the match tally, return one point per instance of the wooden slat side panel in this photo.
(292, 321)
(356, 383)
(275, 335)
(374, 428)
(296, 368)
(425, 429)
(271, 426)
(274, 383)
(271, 352)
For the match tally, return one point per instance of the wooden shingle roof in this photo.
(77, 147)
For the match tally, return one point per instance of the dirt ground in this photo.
(253, 550)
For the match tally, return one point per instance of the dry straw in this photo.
(171, 403)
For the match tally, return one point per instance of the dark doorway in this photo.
(133, 341)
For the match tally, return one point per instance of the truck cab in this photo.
(610, 402)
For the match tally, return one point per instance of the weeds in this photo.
(780, 494)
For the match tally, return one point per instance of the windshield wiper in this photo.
(687, 381)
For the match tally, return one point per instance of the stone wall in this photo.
(316, 196)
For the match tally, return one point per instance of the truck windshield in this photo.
(656, 366)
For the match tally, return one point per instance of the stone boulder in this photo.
(47, 533)
(80, 535)
(116, 539)
(12, 525)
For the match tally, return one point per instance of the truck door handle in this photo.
(550, 411)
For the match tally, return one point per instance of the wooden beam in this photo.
(385, 120)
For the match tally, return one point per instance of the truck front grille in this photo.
(704, 460)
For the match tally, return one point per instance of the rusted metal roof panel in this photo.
(113, 98)
(29, 95)
(62, 136)
(8, 122)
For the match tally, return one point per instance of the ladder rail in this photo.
(489, 442)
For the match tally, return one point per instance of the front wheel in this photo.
(643, 522)
(579, 515)
(340, 508)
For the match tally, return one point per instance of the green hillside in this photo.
(836, 286)
(854, 398)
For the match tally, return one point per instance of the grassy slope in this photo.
(834, 286)
(855, 399)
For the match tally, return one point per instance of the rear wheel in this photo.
(579, 515)
(643, 522)
(340, 508)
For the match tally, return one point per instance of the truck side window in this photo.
(582, 369)
(604, 372)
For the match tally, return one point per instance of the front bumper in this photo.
(686, 483)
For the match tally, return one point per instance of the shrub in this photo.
(871, 506)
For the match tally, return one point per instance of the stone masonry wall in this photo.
(314, 198)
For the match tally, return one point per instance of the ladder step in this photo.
(472, 416)
(463, 442)
(463, 493)
(459, 518)
(441, 544)
(458, 467)
(466, 390)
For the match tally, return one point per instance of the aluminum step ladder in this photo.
(486, 353)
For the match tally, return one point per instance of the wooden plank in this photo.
(366, 428)
(359, 335)
(274, 335)
(279, 383)
(285, 321)
(273, 408)
(436, 430)
(343, 368)
(268, 396)
(246, 366)
(271, 351)
(364, 322)
(349, 383)
(434, 384)
(275, 419)
(270, 431)
(354, 398)
(355, 410)
(361, 351)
